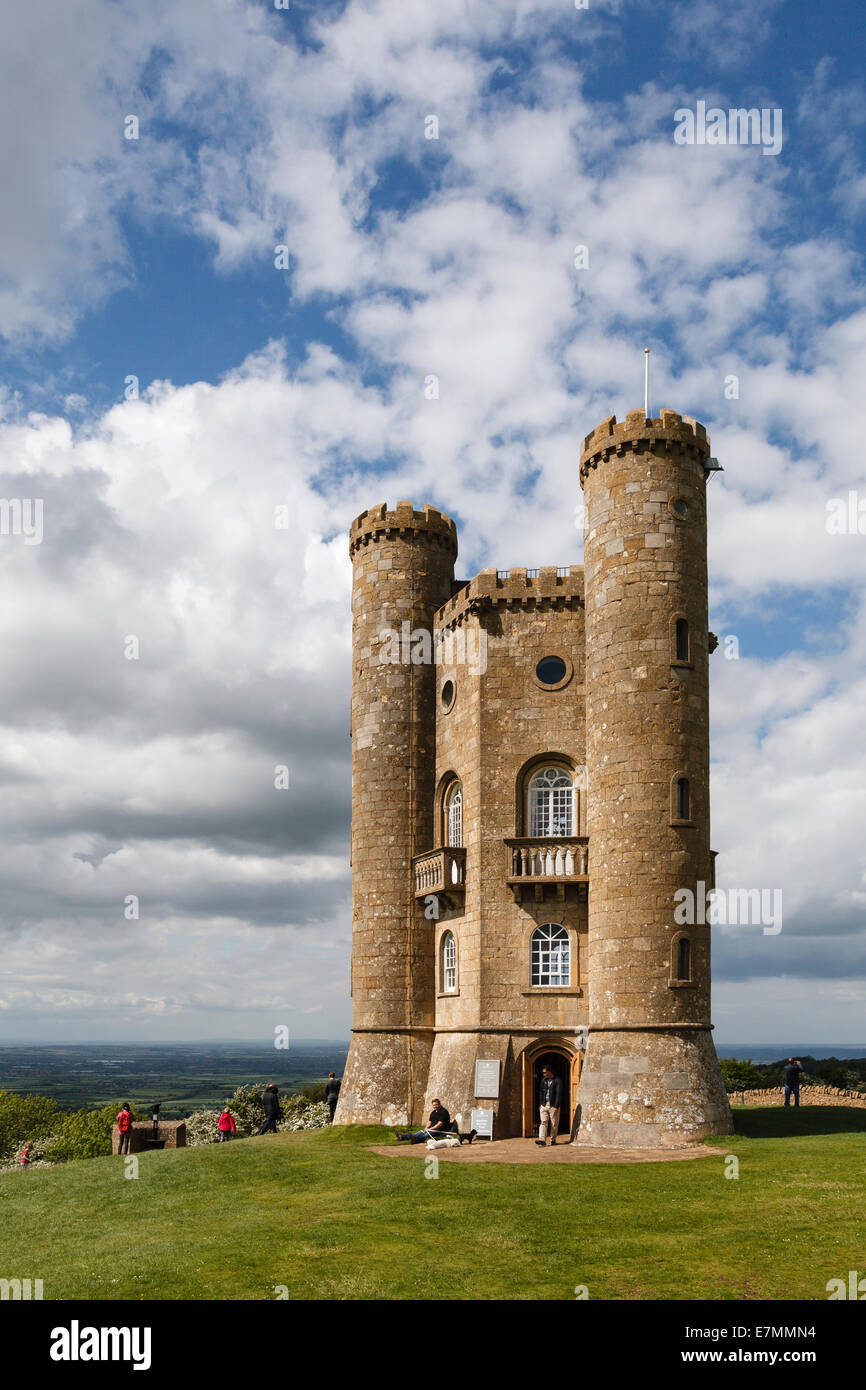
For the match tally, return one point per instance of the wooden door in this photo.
(528, 1117)
(576, 1064)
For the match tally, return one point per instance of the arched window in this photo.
(448, 969)
(684, 959)
(682, 640)
(454, 816)
(684, 799)
(551, 803)
(550, 956)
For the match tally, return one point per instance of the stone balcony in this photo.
(553, 862)
(441, 873)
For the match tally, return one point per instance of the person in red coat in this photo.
(227, 1126)
(124, 1128)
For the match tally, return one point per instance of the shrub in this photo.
(314, 1090)
(298, 1112)
(23, 1119)
(38, 1150)
(248, 1108)
(83, 1134)
(202, 1127)
(301, 1113)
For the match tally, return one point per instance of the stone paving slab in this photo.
(527, 1151)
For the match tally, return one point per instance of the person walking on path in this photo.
(271, 1102)
(227, 1126)
(332, 1092)
(124, 1128)
(793, 1072)
(551, 1100)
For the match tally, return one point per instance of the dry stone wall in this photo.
(809, 1095)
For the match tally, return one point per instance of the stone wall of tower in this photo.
(650, 1075)
(403, 571)
(497, 724)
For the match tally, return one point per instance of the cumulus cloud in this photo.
(154, 775)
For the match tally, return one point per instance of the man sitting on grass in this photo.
(439, 1124)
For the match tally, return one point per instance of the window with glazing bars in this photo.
(454, 807)
(449, 963)
(551, 803)
(551, 956)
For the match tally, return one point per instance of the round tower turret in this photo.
(403, 571)
(650, 1076)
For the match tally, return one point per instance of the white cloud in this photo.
(160, 513)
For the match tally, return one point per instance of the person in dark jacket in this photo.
(551, 1099)
(271, 1102)
(439, 1124)
(793, 1072)
(332, 1092)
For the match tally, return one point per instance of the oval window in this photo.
(448, 693)
(679, 507)
(551, 670)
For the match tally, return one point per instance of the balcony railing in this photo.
(440, 871)
(557, 860)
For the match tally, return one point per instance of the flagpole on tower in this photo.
(646, 353)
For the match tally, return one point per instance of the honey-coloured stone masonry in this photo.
(530, 787)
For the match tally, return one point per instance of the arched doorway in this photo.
(564, 1063)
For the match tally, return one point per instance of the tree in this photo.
(741, 1075)
(24, 1118)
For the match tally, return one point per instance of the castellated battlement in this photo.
(545, 588)
(378, 522)
(523, 818)
(638, 432)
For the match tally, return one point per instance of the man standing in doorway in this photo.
(551, 1099)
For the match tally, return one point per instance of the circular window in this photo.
(449, 691)
(552, 672)
(679, 507)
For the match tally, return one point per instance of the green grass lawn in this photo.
(318, 1213)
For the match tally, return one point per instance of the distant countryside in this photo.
(181, 1077)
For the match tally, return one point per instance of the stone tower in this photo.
(403, 571)
(650, 1076)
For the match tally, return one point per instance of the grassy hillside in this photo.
(321, 1215)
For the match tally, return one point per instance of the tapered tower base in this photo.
(384, 1079)
(651, 1089)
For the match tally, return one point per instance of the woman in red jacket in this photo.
(124, 1128)
(227, 1126)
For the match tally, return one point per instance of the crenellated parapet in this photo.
(545, 588)
(650, 1076)
(378, 523)
(638, 433)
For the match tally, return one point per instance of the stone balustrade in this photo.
(552, 860)
(557, 857)
(440, 871)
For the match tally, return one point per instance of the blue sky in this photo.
(260, 387)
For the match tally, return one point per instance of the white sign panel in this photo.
(482, 1123)
(487, 1078)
